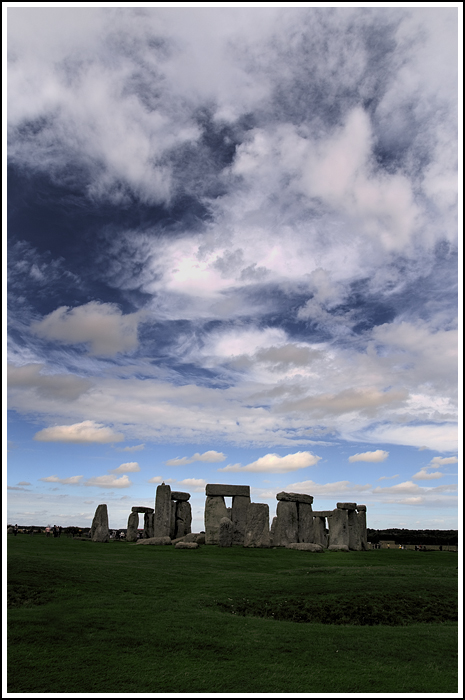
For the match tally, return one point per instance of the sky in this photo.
(232, 258)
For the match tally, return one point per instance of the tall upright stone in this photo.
(162, 518)
(286, 530)
(239, 508)
(173, 520)
(354, 531)
(319, 531)
(99, 531)
(183, 518)
(225, 532)
(133, 526)
(362, 523)
(305, 522)
(339, 527)
(148, 525)
(272, 530)
(215, 509)
(257, 526)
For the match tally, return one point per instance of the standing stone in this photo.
(239, 511)
(354, 531)
(183, 519)
(286, 530)
(162, 519)
(305, 522)
(173, 520)
(215, 509)
(99, 531)
(362, 524)
(339, 527)
(257, 525)
(319, 531)
(148, 525)
(133, 526)
(225, 533)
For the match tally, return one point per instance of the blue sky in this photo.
(232, 258)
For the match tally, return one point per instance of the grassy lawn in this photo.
(86, 617)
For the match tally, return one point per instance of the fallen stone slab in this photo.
(155, 540)
(305, 547)
(180, 496)
(142, 509)
(226, 490)
(346, 506)
(338, 548)
(186, 545)
(190, 537)
(295, 497)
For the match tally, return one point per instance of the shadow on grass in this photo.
(349, 610)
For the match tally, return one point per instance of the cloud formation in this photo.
(109, 482)
(70, 480)
(274, 464)
(376, 456)
(126, 467)
(87, 432)
(101, 325)
(209, 456)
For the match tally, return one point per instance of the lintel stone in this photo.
(346, 506)
(180, 496)
(295, 497)
(322, 513)
(359, 508)
(142, 509)
(226, 490)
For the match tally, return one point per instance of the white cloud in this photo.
(376, 456)
(410, 487)
(274, 464)
(423, 474)
(381, 478)
(156, 480)
(209, 456)
(108, 481)
(135, 448)
(198, 485)
(333, 489)
(87, 432)
(443, 460)
(70, 480)
(103, 326)
(438, 437)
(126, 467)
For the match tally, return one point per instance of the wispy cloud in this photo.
(126, 467)
(86, 432)
(209, 456)
(274, 464)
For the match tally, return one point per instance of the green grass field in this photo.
(86, 617)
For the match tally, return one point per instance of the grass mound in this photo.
(348, 610)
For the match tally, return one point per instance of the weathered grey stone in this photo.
(272, 530)
(200, 539)
(148, 524)
(305, 547)
(346, 506)
(362, 524)
(183, 518)
(229, 512)
(322, 513)
(180, 496)
(173, 520)
(239, 518)
(305, 522)
(338, 548)
(296, 497)
(156, 541)
(319, 530)
(99, 531)
(215, 509)
(226, 490)
(133, 525)
(339, 527)
(190, 537)
(162, 519)
(354, 531)
(225, 533)
(257, 525)
(141, 509)
(286, 530)
(186, 545)
(360, 508)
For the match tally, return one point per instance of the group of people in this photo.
(55, 531)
